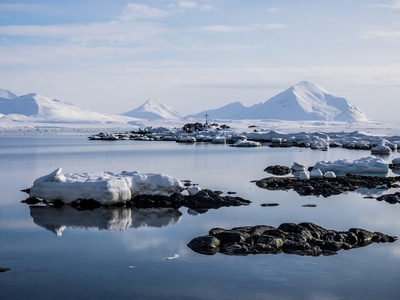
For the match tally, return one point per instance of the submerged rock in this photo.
(301, 239)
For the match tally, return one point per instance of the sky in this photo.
(110, 56)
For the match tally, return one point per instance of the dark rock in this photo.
(4, 269)
(309, 205)
(390, 198)
(85, 204)
(269, 204)
(201, 202)
(326, 186)
(31, 200)
(278, 170)
(302, 239)
(205, 245)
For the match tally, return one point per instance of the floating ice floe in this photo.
(244, 143)
(370, 165)
(381, 148)
(103, 187)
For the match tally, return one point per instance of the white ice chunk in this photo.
(152, 184)
(370, 165)
(382, 148)
(242, 143)
(193, 190)
(104, 187)
(298, 167)
(330, 174)
(304, 175)
(316, 173)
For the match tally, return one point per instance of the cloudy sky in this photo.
(111, 56)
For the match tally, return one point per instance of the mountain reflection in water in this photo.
(103, 218)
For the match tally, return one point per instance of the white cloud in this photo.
(241, 28)
(273, 10)
(23, 7)
(392, 5)
(142, 12)
(387, 35)
(113, 32)
(187, 4)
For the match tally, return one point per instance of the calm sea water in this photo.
(121, 253)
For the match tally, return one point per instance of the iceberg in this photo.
(370, 165)
(103, 187)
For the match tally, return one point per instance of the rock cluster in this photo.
(327, 186)
(390, 198)
(204, 199)
(301, 239)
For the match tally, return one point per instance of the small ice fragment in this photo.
(175, 256)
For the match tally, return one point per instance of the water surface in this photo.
(121, 253)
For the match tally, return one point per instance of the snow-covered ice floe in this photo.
(242, 143)
(370, 165)
(103, 187)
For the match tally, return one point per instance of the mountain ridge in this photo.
(305, 101)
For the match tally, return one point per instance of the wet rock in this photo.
(302, 239)
(85, 204)
(278, 170)
(31, 200)
(4, 269)
(205, 244)
(201, 201)
(390, 198)
(326, 186)
(269, 204)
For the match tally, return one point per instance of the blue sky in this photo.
(110, 56)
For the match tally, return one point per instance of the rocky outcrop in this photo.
(301, 239)
(204, 199)
(327, 186)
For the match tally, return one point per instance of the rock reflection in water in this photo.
(103, 218)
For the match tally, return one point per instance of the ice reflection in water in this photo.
(103, 218)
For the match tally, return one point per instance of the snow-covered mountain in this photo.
(305, 101)
(153, 110)
(7, 94)
(230, 111)
(37, 108)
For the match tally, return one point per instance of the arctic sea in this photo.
(142, 253)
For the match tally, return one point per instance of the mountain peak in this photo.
(6, 94)
(152, 110)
